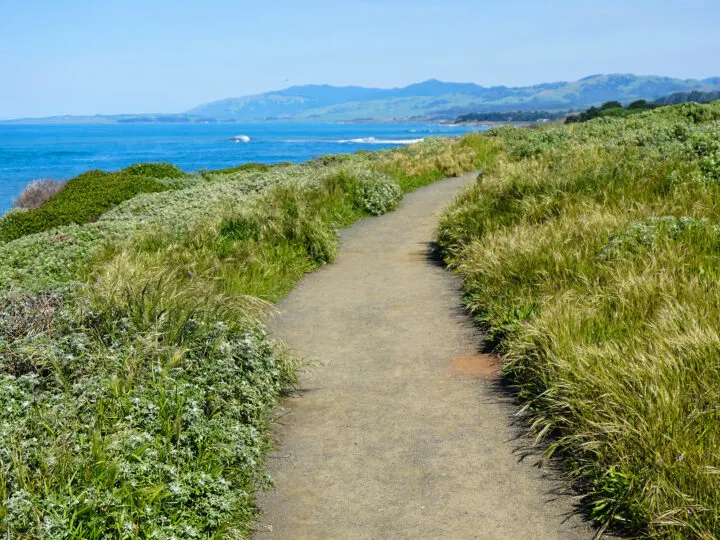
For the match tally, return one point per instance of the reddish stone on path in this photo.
(476, 365)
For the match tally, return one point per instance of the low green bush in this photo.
(83, 199)
(154, 170)
(377, 194)
(255, 167)
(649, 235)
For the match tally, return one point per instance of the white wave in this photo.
(241, 138)
(373, 140)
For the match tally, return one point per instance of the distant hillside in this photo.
(429, 100)
(434, 99)
(116, 119)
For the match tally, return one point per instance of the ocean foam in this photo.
(373, 140)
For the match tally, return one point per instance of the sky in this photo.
(141, 56)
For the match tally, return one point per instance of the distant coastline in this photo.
(100, 119)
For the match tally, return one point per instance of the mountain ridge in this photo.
(435, 99)
(430, 100)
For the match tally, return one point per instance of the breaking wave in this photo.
(373, 140)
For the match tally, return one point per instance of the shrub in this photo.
(83, 199)
(331, 159)
(255, 167)
(377, 194)
(154, 170)
(37, 193)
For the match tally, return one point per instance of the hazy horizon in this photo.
(167, 57)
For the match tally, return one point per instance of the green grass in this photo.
(136, 373)
(437, 158)
(591, 254)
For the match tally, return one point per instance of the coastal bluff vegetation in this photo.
(137, 373)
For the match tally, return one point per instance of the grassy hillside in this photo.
(136, 374)
(591, 254)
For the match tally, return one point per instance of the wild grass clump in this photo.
(592, 257)
(37, 193)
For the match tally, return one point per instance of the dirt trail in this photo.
(399, 432)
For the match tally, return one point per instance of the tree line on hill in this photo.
(607, 109)
(611, 108)
(513, 116)
(685, 97)
(616, 109)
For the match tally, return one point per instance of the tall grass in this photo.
(591, 255)
(437, 158)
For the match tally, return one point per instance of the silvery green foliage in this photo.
(377, 194)
(704, 145)
(182, 431)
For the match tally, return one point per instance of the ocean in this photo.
(29, 152)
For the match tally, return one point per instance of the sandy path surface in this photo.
(401, 431)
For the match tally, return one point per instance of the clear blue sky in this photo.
(113, 56)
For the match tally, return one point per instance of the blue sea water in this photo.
(29, 152)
